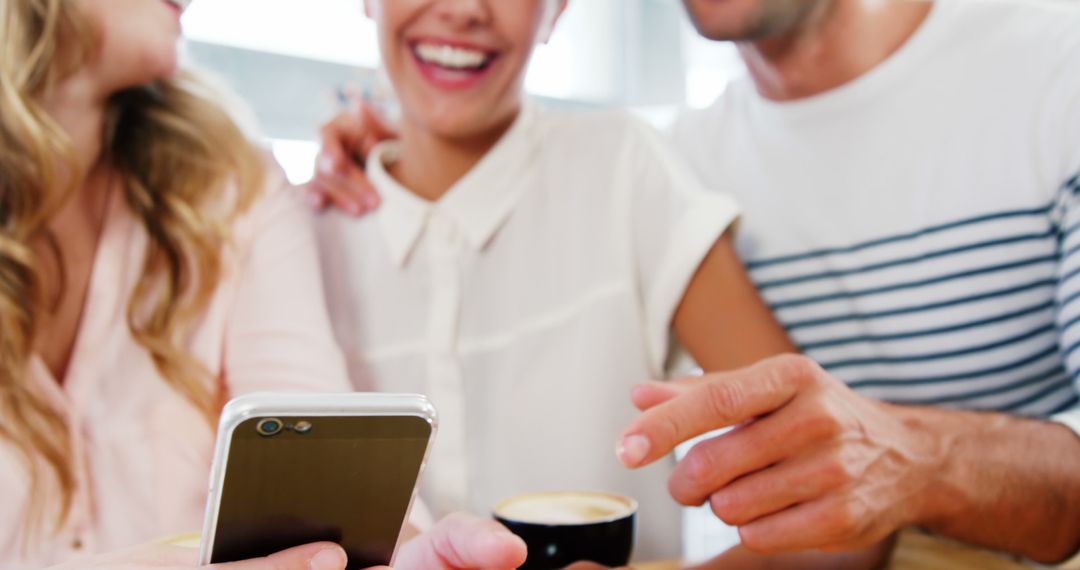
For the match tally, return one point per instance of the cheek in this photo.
(523, 22)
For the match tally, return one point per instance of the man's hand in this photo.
(810, 464)
(339, 174)
(463, 542)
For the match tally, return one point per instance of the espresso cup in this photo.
(564, 527)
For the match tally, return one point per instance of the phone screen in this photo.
(347, 480)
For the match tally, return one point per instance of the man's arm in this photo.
(1006, 483)
(814, 465)
(724, 324)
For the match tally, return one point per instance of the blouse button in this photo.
(77, 543)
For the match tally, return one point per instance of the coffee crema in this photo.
(565, 508)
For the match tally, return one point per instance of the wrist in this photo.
(941, 444)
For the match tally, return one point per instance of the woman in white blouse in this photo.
(527, 267)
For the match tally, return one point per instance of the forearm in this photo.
(876, 556)
(1007, 483)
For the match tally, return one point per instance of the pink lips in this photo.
(452, 79)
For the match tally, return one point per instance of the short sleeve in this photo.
(675, 221)
(1059, 117)
(1068, 291)
(278, 336)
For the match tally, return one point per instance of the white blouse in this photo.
(526, 303)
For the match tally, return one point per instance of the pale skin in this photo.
(78, 105)
(989, 479)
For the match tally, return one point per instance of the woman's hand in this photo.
(339, 179)
(458, 542)
(320, 556)
(463, 542)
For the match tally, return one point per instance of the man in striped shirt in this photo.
(910, 175)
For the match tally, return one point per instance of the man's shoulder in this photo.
(696, 132)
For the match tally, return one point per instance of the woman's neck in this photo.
(79, 110)
(76, 228)
(429, 165)
(841, 41)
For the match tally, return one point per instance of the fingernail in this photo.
(313, 199)
(328, 559)
(354, 208)
(632, 450)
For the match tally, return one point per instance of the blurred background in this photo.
(296, 63)
(291, 61)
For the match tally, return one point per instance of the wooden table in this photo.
(918, 551)
(915, 551)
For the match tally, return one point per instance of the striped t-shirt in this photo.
(917, 231)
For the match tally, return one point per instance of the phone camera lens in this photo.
(269, 427)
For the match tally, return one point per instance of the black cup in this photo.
(561, 528)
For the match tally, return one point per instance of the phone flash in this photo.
(302, 427)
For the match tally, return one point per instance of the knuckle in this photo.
(668, 425)
(837, 472)
(727, 508)
(800, 368)
(701, 465)
(846, 521)
(755, 541)
(723, 397)
(820, 424)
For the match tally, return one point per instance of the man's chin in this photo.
(750, 20)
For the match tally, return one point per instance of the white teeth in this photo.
(450, 56)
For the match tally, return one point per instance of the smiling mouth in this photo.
(453, 58)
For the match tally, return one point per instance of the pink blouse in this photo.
(142, 453)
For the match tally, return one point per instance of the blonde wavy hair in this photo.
(187, 169)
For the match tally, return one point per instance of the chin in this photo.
(455, 122)
(455, 130)
(723, 21)
(146, 70)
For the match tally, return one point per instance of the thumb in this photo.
(463, 542)
(319, 556)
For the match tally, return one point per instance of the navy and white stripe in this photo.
(979, 313)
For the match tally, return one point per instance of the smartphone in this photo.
(291, 469)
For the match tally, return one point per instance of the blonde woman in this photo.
(144, 249)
